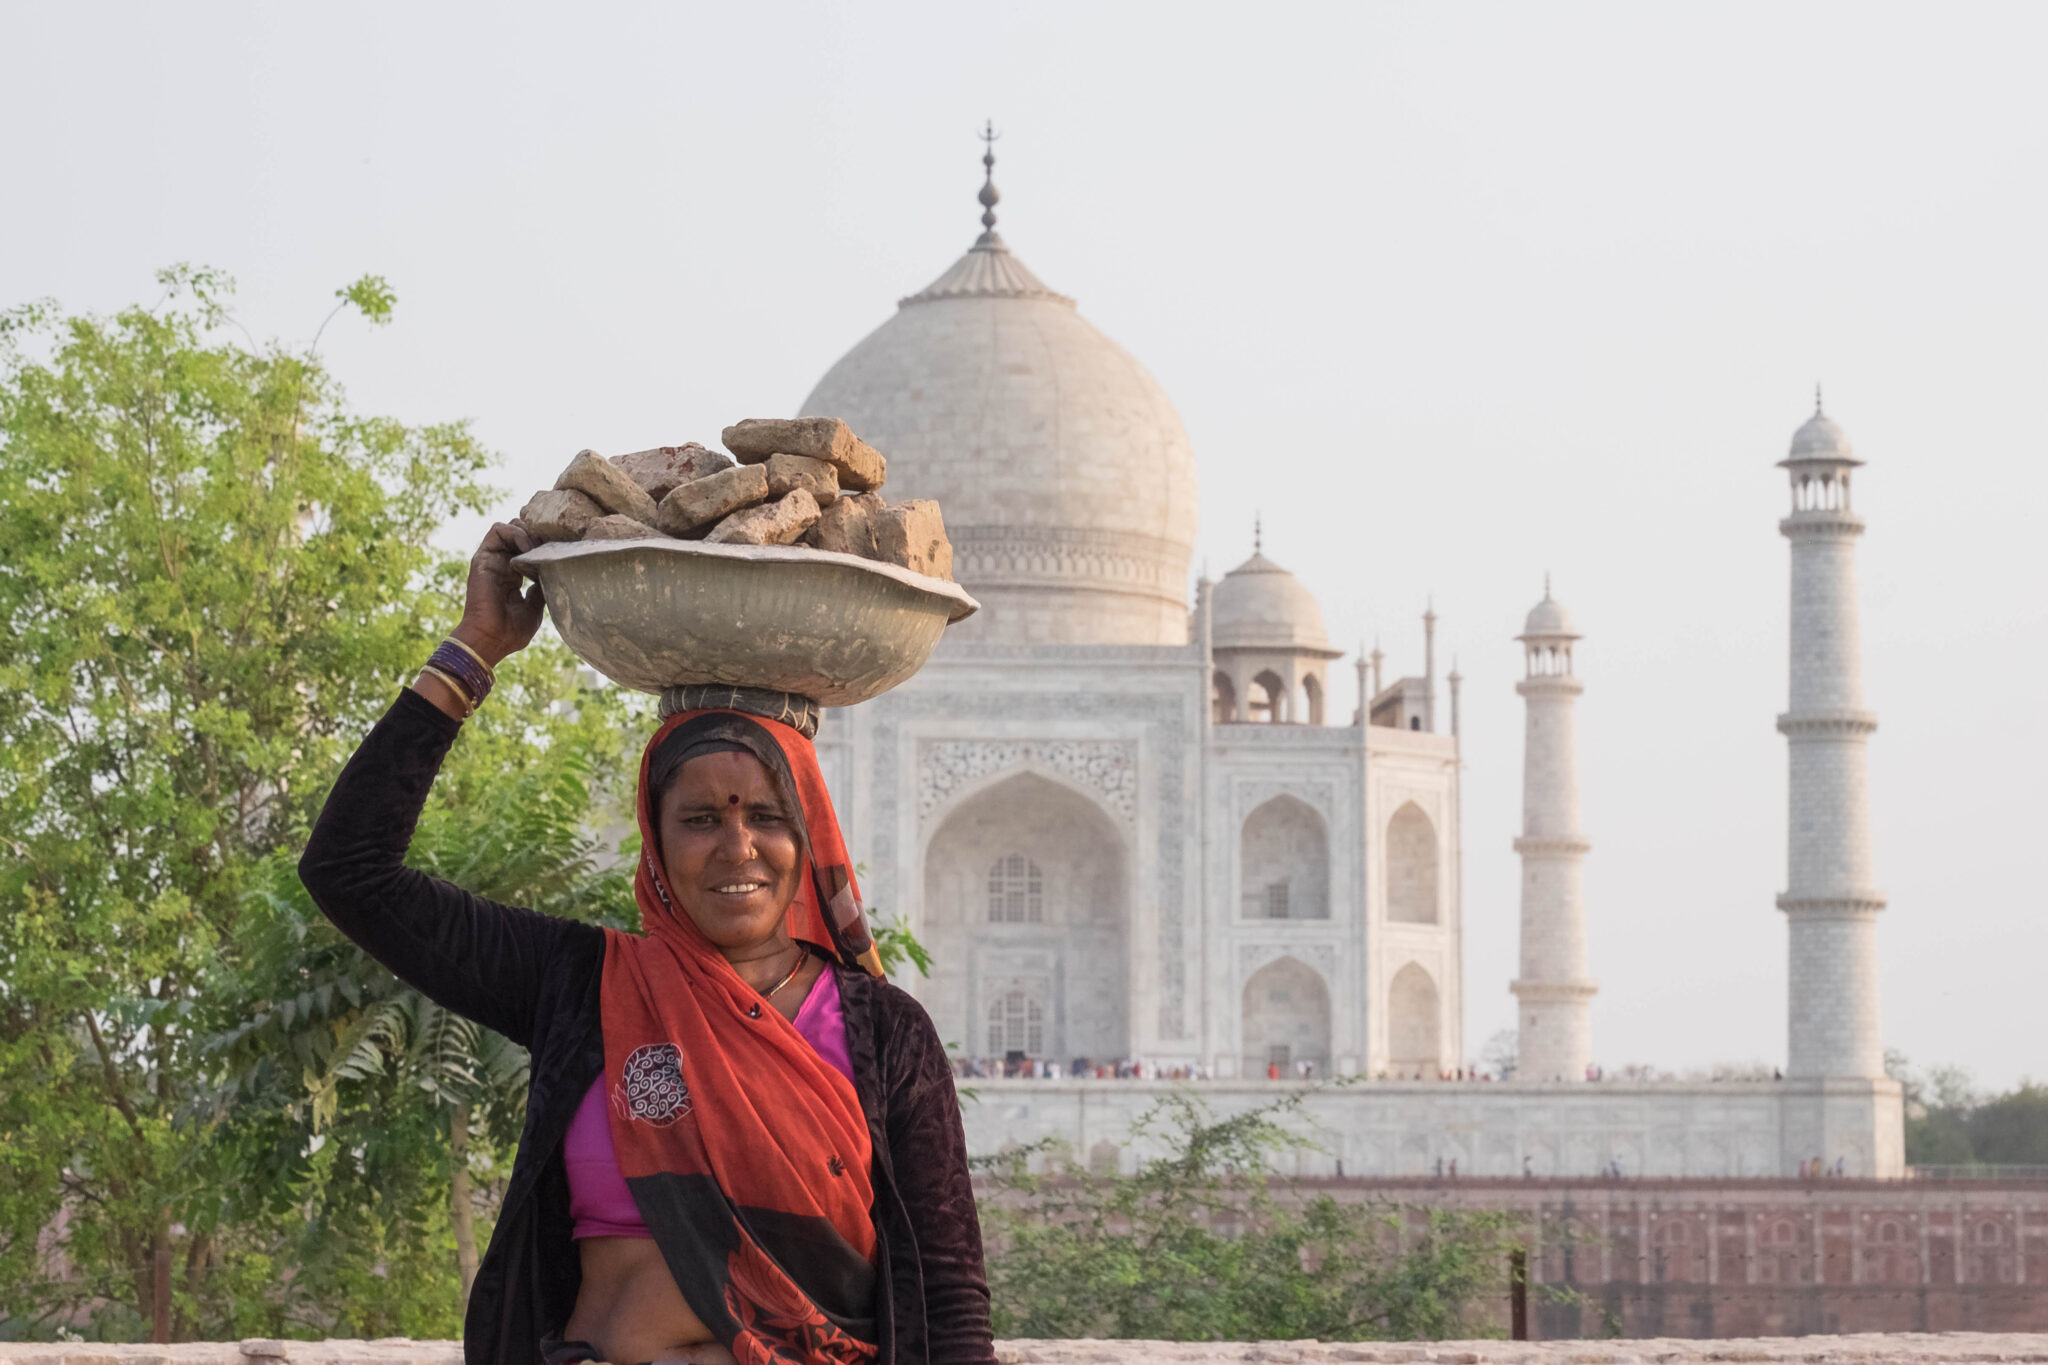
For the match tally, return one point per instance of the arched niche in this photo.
(1223, 698)
(1027, 889)
(1411, 867)
(1312, 694)
(1266, 700)
(1414, 1024)
(1286, 1019)
(1284, 861)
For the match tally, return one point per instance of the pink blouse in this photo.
(598, 1198)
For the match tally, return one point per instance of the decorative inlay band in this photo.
(1828, 724)
(1552, 685)
(1821, 526)
(1109, 767)
(1854, 906)
(1555, 846)
(1052, 554)
(1538, 992)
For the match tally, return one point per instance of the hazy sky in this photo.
(1453, 294)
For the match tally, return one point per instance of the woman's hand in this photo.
(498, 618)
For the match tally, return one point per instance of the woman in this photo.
(739, 1138)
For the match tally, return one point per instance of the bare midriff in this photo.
(630, 1310)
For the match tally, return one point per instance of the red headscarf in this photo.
(747, 1153)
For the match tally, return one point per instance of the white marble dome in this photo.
(1549, 618)
(1820, 439)
(1063, 472)
(1260, 605)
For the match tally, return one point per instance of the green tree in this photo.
(354, 1085)
(1205, 1243)
(2012, 1129)
(217, 575)
(1949, 1122)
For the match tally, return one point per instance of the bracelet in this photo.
(467, 667)
(489, 672)
(448, 681)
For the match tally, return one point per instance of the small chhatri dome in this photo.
(1820, 439)
(1548, 619)
(1260, 605)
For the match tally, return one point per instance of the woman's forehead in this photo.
(724, 770)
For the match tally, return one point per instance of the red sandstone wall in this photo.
(1726, 1258)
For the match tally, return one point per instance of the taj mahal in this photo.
(1132, 823)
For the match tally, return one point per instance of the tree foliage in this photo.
(1949, 1122)
(217, 576)
(1204, 1242)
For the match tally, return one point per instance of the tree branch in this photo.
(115, 1090)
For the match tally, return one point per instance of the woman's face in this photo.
(730, 850)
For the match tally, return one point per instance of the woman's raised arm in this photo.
(475, 956)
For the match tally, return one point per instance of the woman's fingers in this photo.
(506, 539)
(516, 535)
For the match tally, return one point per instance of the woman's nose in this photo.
(735, 840)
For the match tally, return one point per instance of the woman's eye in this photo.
(700, 821)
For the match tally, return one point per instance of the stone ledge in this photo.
(1871, 1349)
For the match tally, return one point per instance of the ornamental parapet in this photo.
(1822, 525)
(1843, 724)
(1555, 848)
(1860, 903)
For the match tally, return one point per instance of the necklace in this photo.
(769, 994)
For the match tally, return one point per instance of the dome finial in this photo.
(1816, 401)
(1258, 534)
(1546, 585)
(989, 196)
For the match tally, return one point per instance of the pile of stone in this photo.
(806, 481)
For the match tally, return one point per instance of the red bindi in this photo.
(732, 800)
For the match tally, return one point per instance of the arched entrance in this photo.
(1286, 1019)
(1413, 1025)
(1027, 912)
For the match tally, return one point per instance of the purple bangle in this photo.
(470, 671)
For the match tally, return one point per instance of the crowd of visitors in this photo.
(1018, 1067)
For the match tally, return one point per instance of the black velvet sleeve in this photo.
(474, 956)
(929, 1152)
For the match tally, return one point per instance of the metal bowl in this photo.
(653, 614)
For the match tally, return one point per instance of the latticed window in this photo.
(1016, 891)
(1016, 1023)
(1276, 900)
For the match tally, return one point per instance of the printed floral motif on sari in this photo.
(651, 1086)
(778, 1322)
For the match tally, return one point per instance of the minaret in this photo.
(1553, 993)
(1829, 901)
(1429, 666)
